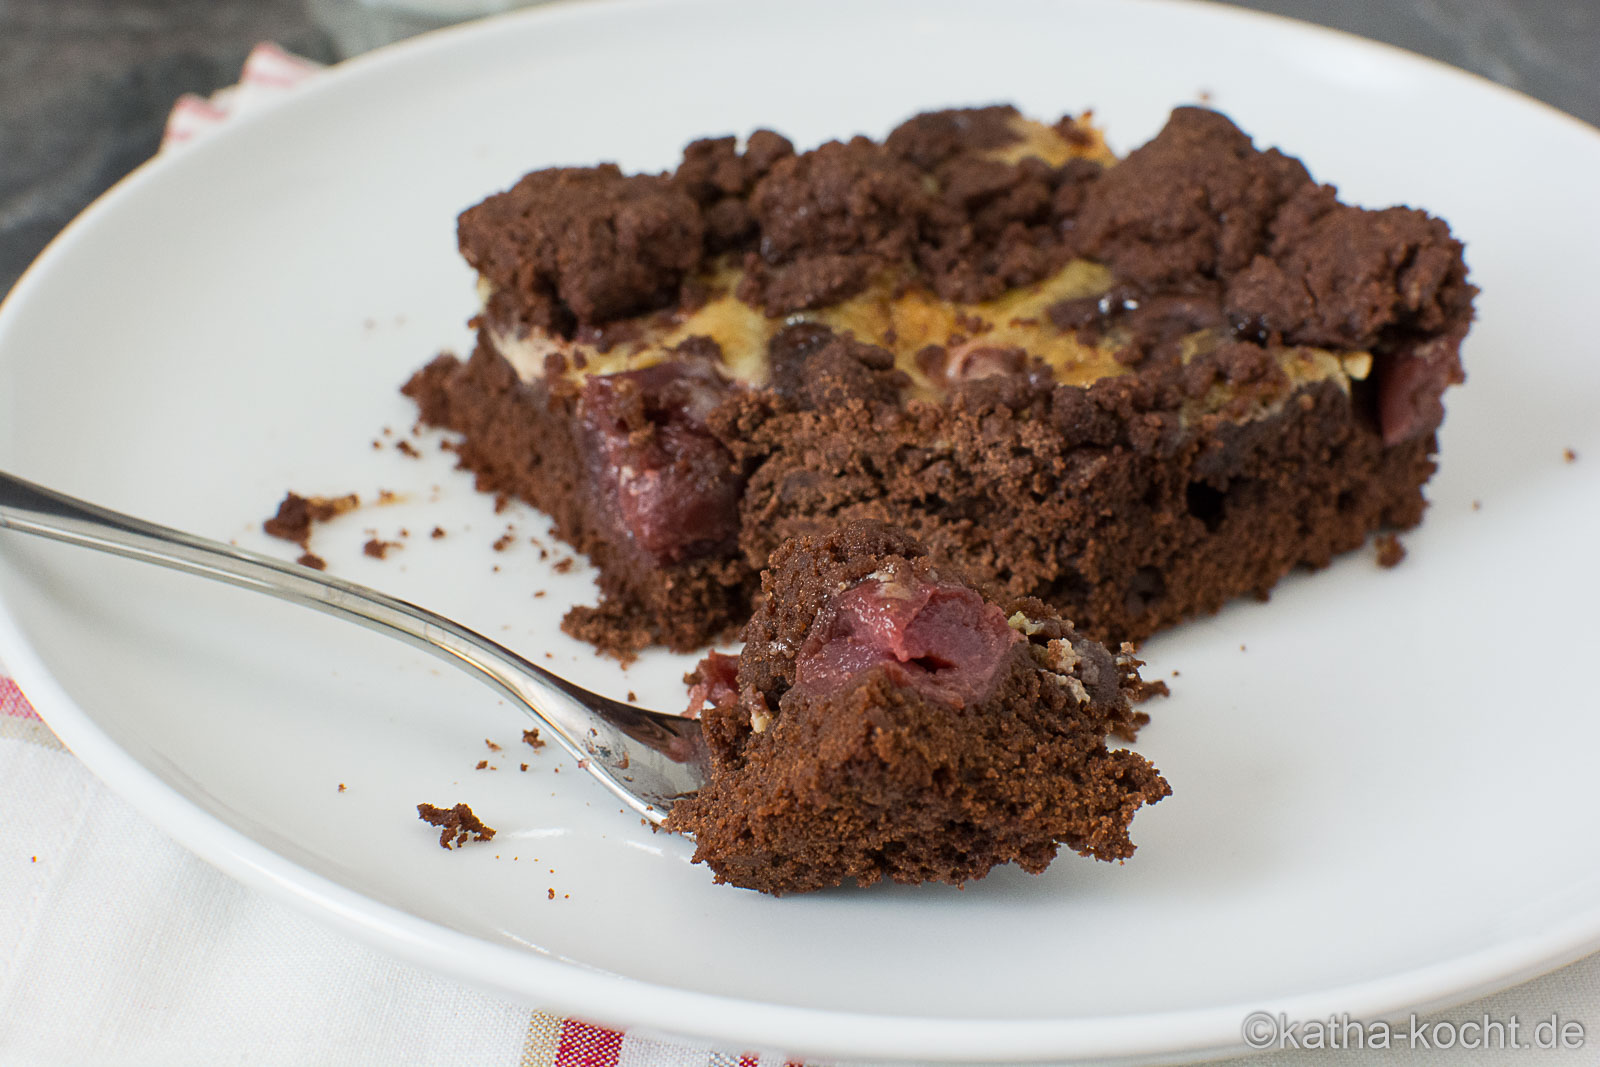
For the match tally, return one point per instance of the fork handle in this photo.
(596, 730)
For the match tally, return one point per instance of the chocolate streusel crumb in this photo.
(297, 514)
(1390, 550)
(586, 244)
(379, 549)
(456, 825)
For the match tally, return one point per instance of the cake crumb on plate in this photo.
(1390, 550)
(456, 825)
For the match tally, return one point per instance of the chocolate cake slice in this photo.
(1132, 389)
(886, 721)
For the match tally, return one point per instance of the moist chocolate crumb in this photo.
(492, 746)
(456, 825)
(482, 764)
(1390, 550)
(438, 532)
(532, 739)
(550, 894)
(341, 787)
(614, 628)
(379, 549)
(562, 566)
(524, 766)
(297, 514)
(633, 698)
(406, 448)
(312, 560)
(1569, 455)
(1144, 690)
(505, 541)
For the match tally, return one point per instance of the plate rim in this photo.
(638, 1004)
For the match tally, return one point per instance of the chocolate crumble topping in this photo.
(933, 137)
(586, 244)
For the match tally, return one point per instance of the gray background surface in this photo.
(85, 85)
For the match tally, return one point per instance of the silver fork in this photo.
(648, 759)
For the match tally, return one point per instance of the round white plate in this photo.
(1382, 780)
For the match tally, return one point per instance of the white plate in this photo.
(1385, 802)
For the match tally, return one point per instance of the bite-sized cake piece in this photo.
(885, 720)
(1133, 389)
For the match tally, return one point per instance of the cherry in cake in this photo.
(886, 720)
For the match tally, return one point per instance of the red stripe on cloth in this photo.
(268, 64)
(583, 1045)
(199, 107)
(270, 78)
(13, 703)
